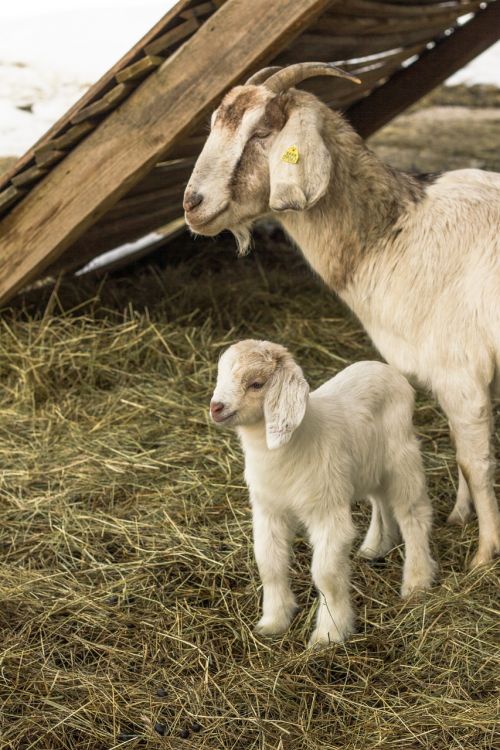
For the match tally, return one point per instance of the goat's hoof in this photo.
(484, 556)
(268, 627)
(377, 554)
(321, 638)
(416, 589)
(459, 517)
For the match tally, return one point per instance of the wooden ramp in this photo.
(114, 167)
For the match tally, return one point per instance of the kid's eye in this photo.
(255, 386)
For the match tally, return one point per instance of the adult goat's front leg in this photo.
(383, 532)
(272, 537)
(471, 423)
(332, 539)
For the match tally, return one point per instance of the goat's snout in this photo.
(216, 409)
(192, 200)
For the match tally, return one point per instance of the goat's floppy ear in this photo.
(285, 404)
(299, 164)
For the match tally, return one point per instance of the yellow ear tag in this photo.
(291, 155)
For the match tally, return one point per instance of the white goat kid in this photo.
(417, 259)
(308, 457)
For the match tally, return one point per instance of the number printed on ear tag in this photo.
(291, 155)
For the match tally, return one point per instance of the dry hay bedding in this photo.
(128, 587)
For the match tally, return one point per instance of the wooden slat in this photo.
(203, 9)
(370, 9)
(432, 68)
(147, 201)
(48, 158)
(337, 92)
(171, 37)
(96, 91)
(169, 232)
(116, 155)
(69, 138)
(351, 25)
(163, 176)
(9, 196)
(139, 69)
(33, 174)
(315, 47)
(102, 238)
(108, 102)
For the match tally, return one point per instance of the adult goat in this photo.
(417, 259)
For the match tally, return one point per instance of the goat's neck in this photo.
(361, 213)
(253, 437)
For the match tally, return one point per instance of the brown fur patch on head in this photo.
(257, 359)
(273, 119)
(275, 114)
(239, 183)
(236, 103)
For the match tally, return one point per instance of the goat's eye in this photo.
(255, 386)
(261, 134)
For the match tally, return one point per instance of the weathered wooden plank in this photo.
(48, 158)
(9, 196)
(167, 106)
(67, 139)
(33, 174)
(164, 175)
(169, 232)
(148, 201)
(203, 9)
(432, 68)
(337, 92)
(106, 82)
(108, 102)
(370, 9)
(103, 237)
(315, 47)
(139, 69)
(171, 37)
(354, 26)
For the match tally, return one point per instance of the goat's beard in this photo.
(243, 237)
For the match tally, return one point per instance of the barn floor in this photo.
(128, 590)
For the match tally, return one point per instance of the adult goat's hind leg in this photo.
(463, 508)
(469, 413)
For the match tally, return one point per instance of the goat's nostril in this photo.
(216, 407)
(192, 200)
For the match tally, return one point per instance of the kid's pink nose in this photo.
(216, 407)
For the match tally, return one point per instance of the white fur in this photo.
(430, 300)
(351, 438)
(418, 262)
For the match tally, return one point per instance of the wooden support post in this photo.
(162, 111)
(433, 67)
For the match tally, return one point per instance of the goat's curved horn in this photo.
(294, 74)
(262, 75)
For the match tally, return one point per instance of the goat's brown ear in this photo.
(299, 164)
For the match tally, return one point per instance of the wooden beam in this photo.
(157, 115)
(433, 67)
(98, 89)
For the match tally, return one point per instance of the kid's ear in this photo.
(285, 404)
(299, 164)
